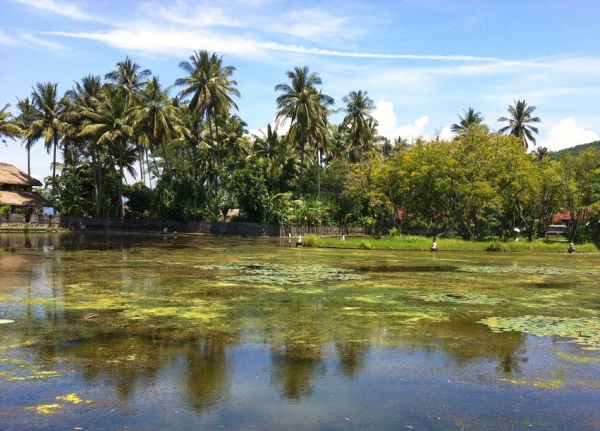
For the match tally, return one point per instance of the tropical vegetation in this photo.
(194, 158)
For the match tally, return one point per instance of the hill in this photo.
(574, 151)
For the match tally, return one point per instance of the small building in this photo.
(556, 230)
(16, 191)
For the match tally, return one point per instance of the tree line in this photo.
(196, 160)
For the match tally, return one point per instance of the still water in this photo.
(148, 332)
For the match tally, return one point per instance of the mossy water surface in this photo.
(187, 320)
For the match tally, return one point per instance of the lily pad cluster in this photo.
(461, 298)
(583, 331)
(271, 273)
(541, 270)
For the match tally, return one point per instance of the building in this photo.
(16, 191)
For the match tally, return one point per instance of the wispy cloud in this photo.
(6, 40)
(48, 44)
(67, 9)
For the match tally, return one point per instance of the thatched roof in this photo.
(22, 199)
(11, 175)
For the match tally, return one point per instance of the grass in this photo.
(411, 242)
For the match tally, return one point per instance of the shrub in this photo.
(310, 240)
(366, 245)
(495, 246)
(394, 232)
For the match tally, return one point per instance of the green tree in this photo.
(519, 122)
(7, 124)
(467, 122)
(359, 125)
(25, 122)
(303, 106)
(49, 120)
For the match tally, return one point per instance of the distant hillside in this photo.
(574, 151)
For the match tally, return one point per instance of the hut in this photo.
(16, 191)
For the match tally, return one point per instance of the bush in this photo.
(394, 232)
(495, 247)
(310, 240)
(366, 245)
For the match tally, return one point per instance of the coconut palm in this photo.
(359, 124)
(233, 136)
(109, 125)
(467, 122)
(129, 79)
(518, 122)
(276, 151)
(155, 116)
(211, 89)
(49, 116)
(7, 126)
(304, 107)
(24, 121)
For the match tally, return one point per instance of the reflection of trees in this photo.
(464, 340)
(208, 378)
(352, 357)
(293, 368)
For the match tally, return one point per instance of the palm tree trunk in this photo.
(54, 176)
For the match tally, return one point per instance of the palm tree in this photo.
(109, 125)
(155, 116)
(210, 87)
(49, 111)
(467, 122)
(276, 151)
(25, 121)
(304, 107)
(7, 126)
(359, 124)
(233, 136)
(129, 79)
(518, 122)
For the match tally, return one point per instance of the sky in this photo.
(423, 62)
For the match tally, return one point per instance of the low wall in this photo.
(35, 220)
(202, 227)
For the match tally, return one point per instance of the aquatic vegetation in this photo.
(585, 332)
(461, 298)
(548, 383)
(47, 409)
(542, 270)
(270, 273)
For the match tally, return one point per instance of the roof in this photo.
(22, 199)
(11, 175)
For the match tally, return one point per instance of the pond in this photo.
(153, 332)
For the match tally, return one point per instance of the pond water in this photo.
(152, 332)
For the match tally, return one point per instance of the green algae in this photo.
(461, 298)
(493, 269)
(582, 331)
(279, 274)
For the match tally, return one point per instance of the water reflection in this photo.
(164, 326)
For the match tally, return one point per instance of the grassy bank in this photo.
(408, 242)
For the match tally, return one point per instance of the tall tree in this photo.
(49, 113)
(303, 106)
(7, 125)
(467, 122)
(358, 123)
(155, 116)
(110, 126)
(129, 79)
(519, 122)
(25, 121)
(211, 89)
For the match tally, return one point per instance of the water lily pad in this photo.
(271, 273)
(461, 298)
(583, 331)
(541, 270)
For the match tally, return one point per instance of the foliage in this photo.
(139, 199)
(582, 331)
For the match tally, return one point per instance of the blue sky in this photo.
(422, 61)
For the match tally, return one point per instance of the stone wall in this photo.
(35, 220)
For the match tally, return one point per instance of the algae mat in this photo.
(162, 333)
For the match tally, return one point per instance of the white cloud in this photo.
(385, 116)
(61, 8)
(567, 134)
(6, 40)
(45, 43)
